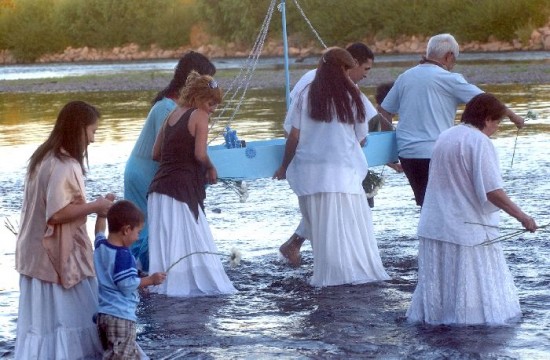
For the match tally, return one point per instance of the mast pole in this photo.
(285, 47)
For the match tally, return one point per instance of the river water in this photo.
(276, 313)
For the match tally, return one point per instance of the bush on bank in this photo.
(469, 20)
(31, 28)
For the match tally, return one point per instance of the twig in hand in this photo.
(234, 257)
(508, 236)
(11, 227)
(491, 226)
(514, 152)
(239, 186)
(531, 115)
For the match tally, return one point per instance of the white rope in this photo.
(242, 80)
(310, 25)
(248, 68)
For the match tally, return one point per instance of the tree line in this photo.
(31, 28)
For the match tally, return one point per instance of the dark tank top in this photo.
(180, 176)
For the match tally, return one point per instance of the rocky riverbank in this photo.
(539, 39)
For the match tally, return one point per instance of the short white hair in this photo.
(441, 44)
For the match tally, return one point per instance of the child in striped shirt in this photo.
(118, 280)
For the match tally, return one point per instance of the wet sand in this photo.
(494, 73)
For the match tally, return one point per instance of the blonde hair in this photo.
(199, 89)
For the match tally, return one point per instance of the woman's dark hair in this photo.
(331, 89)
(191, 60)
(69, 134)
(481, 107)
(123, 213)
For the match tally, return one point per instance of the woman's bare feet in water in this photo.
(291, 250)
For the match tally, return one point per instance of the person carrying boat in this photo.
(325, 165)
(426, 98)
(140, 167)
(364, 60)
(462, 279)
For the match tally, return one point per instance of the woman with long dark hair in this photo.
(141, 168)
(325, 165)
(58, 288)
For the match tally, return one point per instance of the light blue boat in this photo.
(260, 159)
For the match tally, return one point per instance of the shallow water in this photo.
(276, 313)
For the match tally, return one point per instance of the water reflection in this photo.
(28, 118)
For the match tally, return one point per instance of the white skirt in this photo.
(463, 285)
(344, 248)
(56, 323)
(174, 233)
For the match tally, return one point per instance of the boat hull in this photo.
(260, 159)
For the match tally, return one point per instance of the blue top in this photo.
(118, 279)
(159, 112)
(426, 97)
(140, 170)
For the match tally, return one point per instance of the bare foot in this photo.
(291, 250)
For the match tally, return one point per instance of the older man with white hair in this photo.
(426, 98)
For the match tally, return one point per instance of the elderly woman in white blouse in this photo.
(461, 281)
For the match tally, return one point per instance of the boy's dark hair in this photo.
(122, 213)
(381, 91)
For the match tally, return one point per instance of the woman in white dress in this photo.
(325, 165)
(54, 255)
(177, 224)
(459, 280)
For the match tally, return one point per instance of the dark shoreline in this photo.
(481, 74)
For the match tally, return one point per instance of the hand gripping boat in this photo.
(260, 159)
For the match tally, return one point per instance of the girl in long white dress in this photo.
(177, 224)
(461, 281)
(325, 165)
(54, 255)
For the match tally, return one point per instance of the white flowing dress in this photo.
(174, 233)
(326, 174)
(460, 281)
(56, 323)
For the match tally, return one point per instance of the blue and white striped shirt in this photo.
(118, 279)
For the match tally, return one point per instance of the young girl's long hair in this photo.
(69, 133)
(332, 92)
